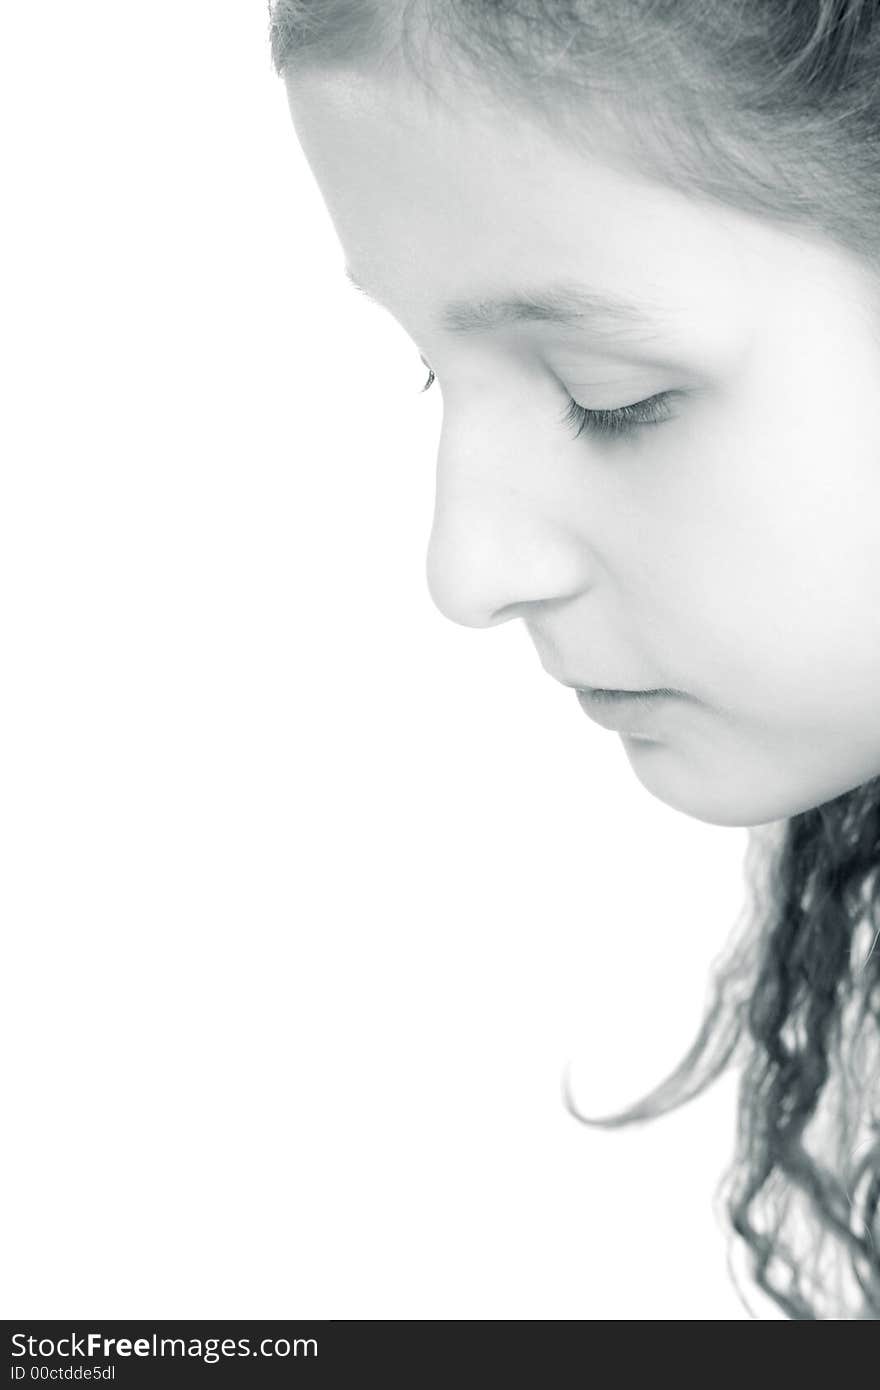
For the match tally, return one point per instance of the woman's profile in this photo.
(636, 243)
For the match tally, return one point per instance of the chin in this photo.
(742, 796)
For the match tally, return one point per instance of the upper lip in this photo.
(585, 685)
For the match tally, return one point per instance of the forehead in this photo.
(436, 202)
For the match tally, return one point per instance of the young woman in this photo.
(637, 243)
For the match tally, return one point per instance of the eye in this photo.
(625, 419)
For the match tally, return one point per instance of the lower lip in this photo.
(627, 714)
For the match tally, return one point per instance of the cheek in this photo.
(776, 579)
(762, 597)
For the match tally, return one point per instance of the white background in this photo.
(308, 895)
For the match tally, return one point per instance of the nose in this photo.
(495, 549)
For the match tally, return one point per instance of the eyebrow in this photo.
(566, 304)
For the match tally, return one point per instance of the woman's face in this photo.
(730, 550)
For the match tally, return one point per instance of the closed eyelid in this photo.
(628, 399)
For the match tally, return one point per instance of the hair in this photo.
(773, 107)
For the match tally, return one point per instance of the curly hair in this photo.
(796, 1001)
(772, 106)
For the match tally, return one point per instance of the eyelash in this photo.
(624, 419)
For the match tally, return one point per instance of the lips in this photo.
(625, 711)
(607, 693)
(610, 691)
